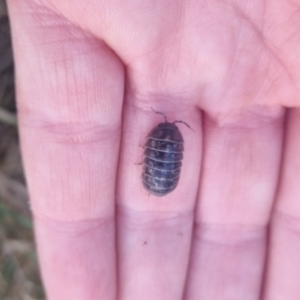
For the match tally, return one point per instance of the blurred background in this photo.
(19, 273)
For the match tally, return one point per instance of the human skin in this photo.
(88, 73)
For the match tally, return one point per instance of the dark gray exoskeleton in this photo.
(163, 155)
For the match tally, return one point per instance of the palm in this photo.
(224, 56)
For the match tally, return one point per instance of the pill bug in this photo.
(163, 156)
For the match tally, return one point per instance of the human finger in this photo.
(283, 268)
(237, 187)
(154, 233)
(70, 93)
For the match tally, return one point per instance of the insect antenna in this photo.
(160, 113)
(186, 124)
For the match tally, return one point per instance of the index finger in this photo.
(70, 93)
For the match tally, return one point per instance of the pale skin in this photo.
(88, 73)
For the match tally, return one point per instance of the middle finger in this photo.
(154, 233)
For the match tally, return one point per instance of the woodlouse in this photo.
(162, 158)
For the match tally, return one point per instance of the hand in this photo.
(88, 73)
